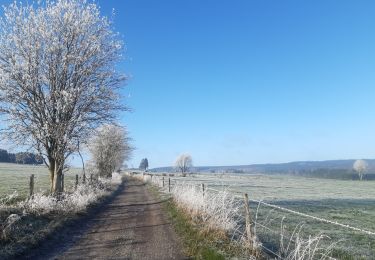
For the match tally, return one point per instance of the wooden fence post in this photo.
(169, 184)
(31, 185)
(76, 185)
(84, 178)
(203, 189)
(163, 181)
(248, 220)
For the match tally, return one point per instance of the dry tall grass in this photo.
(222, 211)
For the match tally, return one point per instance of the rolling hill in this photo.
(342, 169)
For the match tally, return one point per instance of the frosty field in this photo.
(347, 202)
(282, 187)
(15, 177)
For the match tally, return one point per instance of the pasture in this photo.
(344, 201)
(15, 177)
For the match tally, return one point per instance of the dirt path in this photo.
(132, 226)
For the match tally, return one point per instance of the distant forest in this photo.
(20, 158)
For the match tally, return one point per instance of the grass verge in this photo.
(200, 242)
(197, 244)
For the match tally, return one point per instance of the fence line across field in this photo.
(246, 233)
(76, 182)
(368, 232)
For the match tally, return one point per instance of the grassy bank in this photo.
(199, 241)
(197, 244)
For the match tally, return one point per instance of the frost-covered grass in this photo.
(216, 217)
(345, 201)
(347, 243)
(217, 211)
(116, 178)
(15, 177)
(296, 246)
(307, 249)
(305, 244)
(201, 236)
(25, 222)
(285, 187)
(71, 201)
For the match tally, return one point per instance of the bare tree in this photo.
(57, 77)
(360, 166)
(109, 149)
(183, 163)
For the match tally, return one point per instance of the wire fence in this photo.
(307, 215)
(285, 233)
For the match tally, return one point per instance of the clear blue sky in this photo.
(240, 82)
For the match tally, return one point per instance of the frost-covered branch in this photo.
(183, 163)
(109, 149)
(360, 166)
(58, 80)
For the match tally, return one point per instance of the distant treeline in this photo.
(341, 174)
(20, 158)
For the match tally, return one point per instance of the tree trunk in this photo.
(112, 169)
(57, 187)
(109, 174)
(51, 170)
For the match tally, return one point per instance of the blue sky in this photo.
(241, 82)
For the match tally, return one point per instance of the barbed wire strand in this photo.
(368, 232)
(258, 224)
(306, 215)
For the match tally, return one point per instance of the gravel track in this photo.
(133, 225)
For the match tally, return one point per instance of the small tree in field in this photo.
(57, 77)
(109, 149)
(183, 163)
(144, 164)
(360, 166)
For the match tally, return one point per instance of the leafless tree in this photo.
(109, 149)
(57, 77)
(183, 163)
(360, 166)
